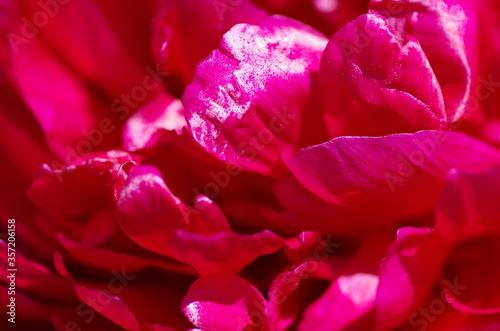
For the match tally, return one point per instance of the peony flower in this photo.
(249, 165)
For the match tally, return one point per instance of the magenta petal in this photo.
(245, 101)
(407, 171)
(161, 115)
(367, 75)
(223, 303)
(345, 303)
(408, 274)
(448, 33)
(223, 252)
(148, 212)
(111, 307)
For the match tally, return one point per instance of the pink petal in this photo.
(223, 252)
(346, 303)
(152, 122)
(448, 33)
(148, 212)
(223, 302)
(397, 174)
(244, 108)
(367, 82)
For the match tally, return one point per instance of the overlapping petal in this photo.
(448, 33)
(368, 82)
(400, 174)
(245, 103)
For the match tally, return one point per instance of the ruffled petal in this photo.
(367, 79)
(448, 33)
(244, 108)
